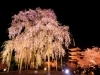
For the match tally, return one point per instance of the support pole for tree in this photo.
(56, 64)
(36, 65)
(32, 61)
(48, 62)
(25, 61)
(25, 65)
(61, 60)
(20, 66)
(20, 63)
(8, 67)
(10, 56)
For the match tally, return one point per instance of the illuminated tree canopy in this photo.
(91, 57)
(35, 33)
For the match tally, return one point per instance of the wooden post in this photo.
(20, 63)
(56, 64)
(48, 62)
(10, 56)
(61, 61)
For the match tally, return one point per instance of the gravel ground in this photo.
(32, 72)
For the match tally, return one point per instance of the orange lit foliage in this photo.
(52, 63)
(91, 57)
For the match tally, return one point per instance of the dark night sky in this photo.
(82, 17)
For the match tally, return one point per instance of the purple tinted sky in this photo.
(82, 17)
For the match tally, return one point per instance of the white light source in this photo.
(45, 68)
(35, 71)
(66, 71)
(4, 69)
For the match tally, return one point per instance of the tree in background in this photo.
(37, 34)
(91, 57)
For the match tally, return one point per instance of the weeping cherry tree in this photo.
(37, 34)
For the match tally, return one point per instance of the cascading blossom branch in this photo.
(28, 18)
(31, 22)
